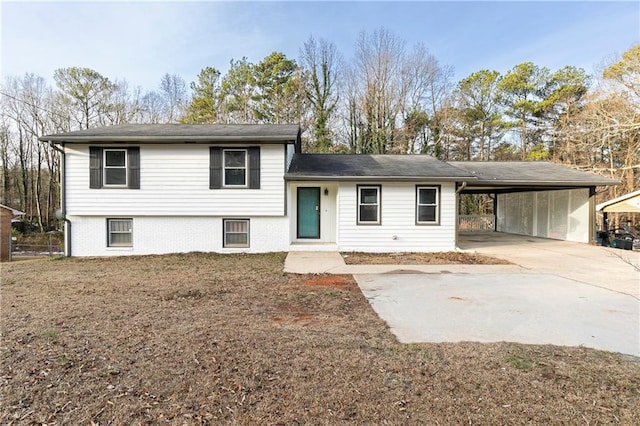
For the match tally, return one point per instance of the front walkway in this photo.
(324, 262)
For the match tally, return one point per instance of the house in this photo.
(149, 189)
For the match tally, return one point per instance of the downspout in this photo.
(63, 199)
(458, 191)
(463, 186)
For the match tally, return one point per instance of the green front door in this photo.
(309, 212)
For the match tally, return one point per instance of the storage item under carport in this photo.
(622, 243)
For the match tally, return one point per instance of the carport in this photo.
(629, 204)
(537, 199)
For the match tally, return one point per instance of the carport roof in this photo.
(373, 167)
(479, 176)
(528, 174)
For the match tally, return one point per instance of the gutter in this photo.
(62, 214)
(299, 178)
(160, 139)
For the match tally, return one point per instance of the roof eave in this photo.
(290, 177)
(168, 139)
(543, 183)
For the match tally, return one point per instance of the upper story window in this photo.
(235, 167)
(369, 205)
(114, 167)
(427, 205)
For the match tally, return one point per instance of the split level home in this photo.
(150, 189)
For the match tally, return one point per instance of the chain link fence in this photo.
(30, 245)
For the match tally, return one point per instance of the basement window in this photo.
(236, 233)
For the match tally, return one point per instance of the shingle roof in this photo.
(158, 133)
(528, 173)
(362, 166)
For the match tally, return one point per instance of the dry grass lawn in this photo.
(209, 339)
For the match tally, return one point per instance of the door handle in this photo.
(317, 208)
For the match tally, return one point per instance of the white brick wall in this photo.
(158, 235)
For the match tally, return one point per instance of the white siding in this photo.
(398, 218)
(158, 235)
(174, 181)
(562, 215)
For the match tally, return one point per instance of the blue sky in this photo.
(141, 41)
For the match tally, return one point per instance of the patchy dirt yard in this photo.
(209, 339)
(439, 258)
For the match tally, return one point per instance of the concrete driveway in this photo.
(564, 293)
(614, 269)
(526, 308)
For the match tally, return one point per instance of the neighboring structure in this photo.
(629, 204)
(6, 216)
(147, 189)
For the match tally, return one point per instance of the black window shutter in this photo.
(95, 167)
(133, 157)
(215, 167)
(254, 167)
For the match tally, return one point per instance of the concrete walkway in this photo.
(613, 269)
(313, 262)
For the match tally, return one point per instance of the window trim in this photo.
(110, 232)
(125, 168)
(378, 189)
(438, 190)
(245, 168)
(224, 233)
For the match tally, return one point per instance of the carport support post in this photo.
(495, 212)
(592, 214)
